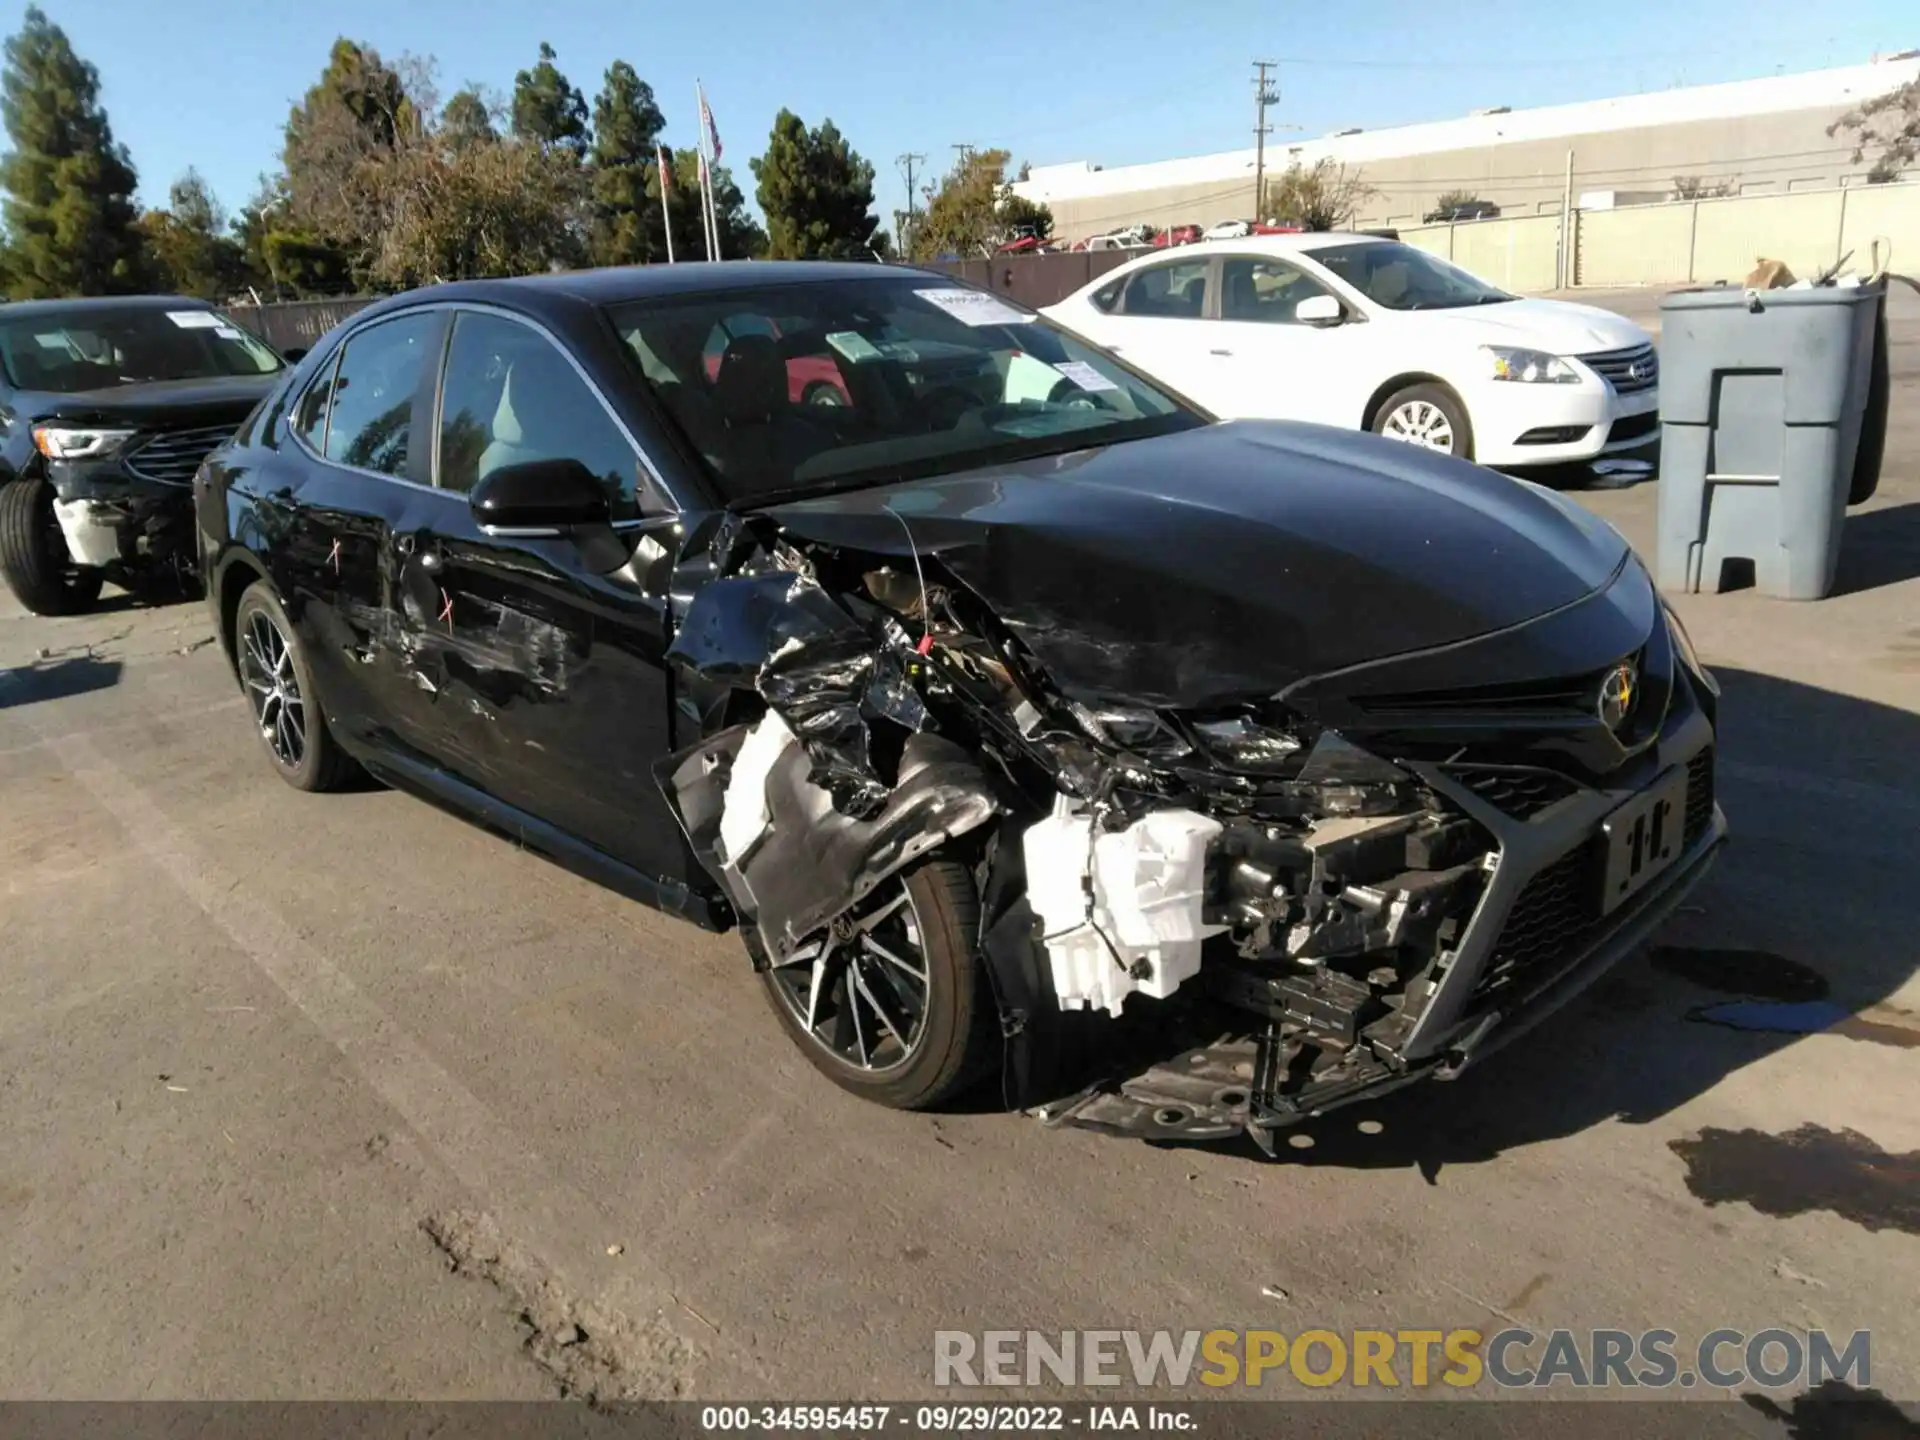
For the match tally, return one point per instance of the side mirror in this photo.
(540, 498)
(294, 354)
(1319, 310)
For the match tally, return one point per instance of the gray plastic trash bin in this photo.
(1763, 399)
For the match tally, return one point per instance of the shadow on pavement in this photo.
(1763, 925)
(1880, 547)
(55, 679)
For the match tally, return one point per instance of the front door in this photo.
(556, 694)
(1270, 365)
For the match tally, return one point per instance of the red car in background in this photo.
(1177, 235)
(811, 379)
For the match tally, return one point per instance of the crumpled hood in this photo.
(1558, 327)
(1233, 560)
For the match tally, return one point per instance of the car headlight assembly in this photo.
(1683, 642)
(1530, 367)
(76, 442)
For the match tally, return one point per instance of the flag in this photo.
(666, 170)
(713, 133)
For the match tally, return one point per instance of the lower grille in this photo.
(1557, 916)
(1699, 795)
(1634, 427)
(1520, 793)
(174, 455)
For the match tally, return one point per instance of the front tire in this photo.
(1427, 415)
(895, 1007)
(33, 553)
(279, 689)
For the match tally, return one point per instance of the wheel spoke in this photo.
(875, 948)
(854, 990)
(873, 1003)
(873, 921)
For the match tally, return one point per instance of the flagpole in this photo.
(706, 193)
(665, 161)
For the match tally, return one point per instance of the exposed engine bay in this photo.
(1282, 900)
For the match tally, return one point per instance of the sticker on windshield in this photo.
(194, 319)
(853, 345)
(227, 332)
(976, 307)
(1084, 375)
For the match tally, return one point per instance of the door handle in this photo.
(1220, 352)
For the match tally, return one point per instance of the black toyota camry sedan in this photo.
(997, 696)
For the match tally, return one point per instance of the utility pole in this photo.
(907, 162)
(1263, 96)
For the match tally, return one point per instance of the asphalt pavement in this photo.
(342, 1097)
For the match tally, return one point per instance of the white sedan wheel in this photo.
(1420, 422)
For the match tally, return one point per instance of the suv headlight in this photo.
(76, 442)
(1530, 367)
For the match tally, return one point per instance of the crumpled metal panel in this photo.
(815, 664)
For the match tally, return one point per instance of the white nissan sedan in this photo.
(1358, 331)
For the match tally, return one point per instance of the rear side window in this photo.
(1176, 291)
(371, 407)
(511, 398)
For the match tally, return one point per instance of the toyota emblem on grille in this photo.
(1617, 692)
(1633, 371)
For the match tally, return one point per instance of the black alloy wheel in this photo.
(279, 690)
(891, 1003)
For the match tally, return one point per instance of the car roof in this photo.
(93, 304)
(1302, 243)
(618, 284)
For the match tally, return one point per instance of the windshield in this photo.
(1401, 277)
(98, 349)
(831, 385)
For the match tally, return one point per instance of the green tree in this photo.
(69, 209)
(467, 118)
(963, 216)
(740, 237)
(343, 141)
(1320, 196)
(816, 192)
(1889, 124)
(188, 243)
(626, 135)
(1021, 216)
(547, 108)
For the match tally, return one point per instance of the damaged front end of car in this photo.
(1197, 921)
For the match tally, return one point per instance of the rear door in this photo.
(556, 694)
(1158, 321)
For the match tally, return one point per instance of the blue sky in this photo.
(207, 83)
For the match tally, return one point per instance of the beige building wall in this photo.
(1694, 241)
(1775, 154)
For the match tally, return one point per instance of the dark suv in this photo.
(107, 407)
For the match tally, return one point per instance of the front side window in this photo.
(1403, 277)
(1176, 291)
(844, 383)
(100, 348)
(1264, 291)
(511, 398)
(371, 420)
